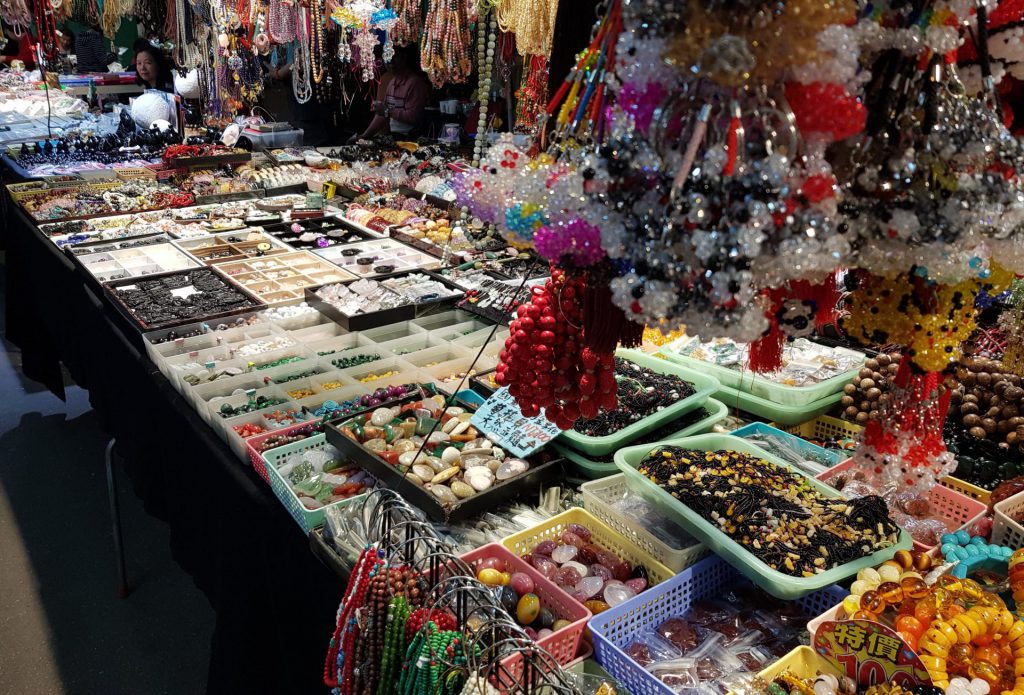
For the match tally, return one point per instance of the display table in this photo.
(274, 600)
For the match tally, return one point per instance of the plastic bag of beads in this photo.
(748, 649)
(649, 649)
(714, 663)
(634, 506)
(681, 676)
(707, 613)
(681, 634)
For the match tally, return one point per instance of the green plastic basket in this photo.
(704, 387)
(307, 519)
(599, 469)
(782, 414)
(774, 582)
(762, 387)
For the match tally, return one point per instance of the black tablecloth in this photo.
(275, 602)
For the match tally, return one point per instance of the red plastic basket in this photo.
(562, 645)
(956, 508)
(254, 445)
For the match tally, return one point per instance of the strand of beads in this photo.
(486, 38)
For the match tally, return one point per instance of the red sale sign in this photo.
(870, 653)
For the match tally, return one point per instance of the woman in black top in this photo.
(152, 68)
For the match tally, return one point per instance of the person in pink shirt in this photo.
(405, 97)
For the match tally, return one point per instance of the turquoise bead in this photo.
(948, 539)
(978, 540)
(962, 537)
(947, 548)
(971, 550)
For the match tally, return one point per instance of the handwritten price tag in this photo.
(499, 418)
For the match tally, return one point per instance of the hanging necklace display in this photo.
(486, 37)
(409, 24)
(46, 28)
(444, 48)
(282, 21)
(532, 22)
(363, 19)
(301, 84)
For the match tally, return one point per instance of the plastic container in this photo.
(603, 535)
(562, 644)
(957, 510)
(781, 414)
(615, 629)
(273, 140)
(1005, 530)
(593, 470)
(762, 387)
(774, 582)
(831, 457)
(966, 488)
(802, 662)
(307, 519)
(704, 387)
(442, 374)
(598, 497)
(428, 357)
(824, 427)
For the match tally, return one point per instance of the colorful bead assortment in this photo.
(770, 510)
(517, 592)
(319, 477)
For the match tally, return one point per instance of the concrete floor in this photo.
(63, 630)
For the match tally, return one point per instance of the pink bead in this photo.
(522, 583)
(622, 571)
(564, 553)
(590, 586)
(567, 576)
(570, 538)
(495, 563)
(545, 566)
(601, 571)
(545, 548)
(580, 530)
(637, 585)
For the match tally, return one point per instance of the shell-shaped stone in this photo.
(479, 482)
(462, 490)
(423, 472)
(450, 456)
(444, 494)
(446, 475)
(511, 468)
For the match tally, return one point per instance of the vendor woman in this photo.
(405, 98)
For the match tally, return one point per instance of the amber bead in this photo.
(872, 602)
(890, 592)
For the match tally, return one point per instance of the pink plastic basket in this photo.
(254, 446)
(955, 508)
(562, 644)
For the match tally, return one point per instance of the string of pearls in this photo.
(301, 64)
(486, 38)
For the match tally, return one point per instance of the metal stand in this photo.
(115, 520)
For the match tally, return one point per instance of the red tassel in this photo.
(731, 146)
(766, 351)
(605, 326)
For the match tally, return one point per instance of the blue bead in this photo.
(971, 550)
(947, 549)
(949, 538)
(978, 540)
(962, 537)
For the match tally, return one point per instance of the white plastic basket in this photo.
(1006, 531)
(597, 499)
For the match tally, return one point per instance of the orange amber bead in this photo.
(911, 625)
(891, 592)
(959, 658)
(872, 601)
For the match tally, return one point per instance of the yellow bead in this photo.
(851, 604)
(933, 663)
(1016, 631)
(1018, 667)
(963, 634)
(490, 577)
(972, 590)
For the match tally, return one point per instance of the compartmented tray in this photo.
(704, 386)
(777, 583)
(129, 297)
(383, 317)
(761, 386)
(543, 467)
(780, 414)
(328, 231)
(237, 245)
(392, 254)
(130, 258)
(282, 278)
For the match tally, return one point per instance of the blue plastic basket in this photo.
(307, 519)
(801, 445)
(618, 627)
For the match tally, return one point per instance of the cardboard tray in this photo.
(544, 466)
(362, 322)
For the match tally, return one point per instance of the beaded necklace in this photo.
(282, 21)
(444, 52)
(317, 48)
(16, 14)
(410, 22)
(46, 27)
(301, 85)
(485, 73)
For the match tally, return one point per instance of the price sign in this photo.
(499, 418)
(870, 653)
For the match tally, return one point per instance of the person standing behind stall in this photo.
(405, 100)
(91, 51)
(152, 68)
